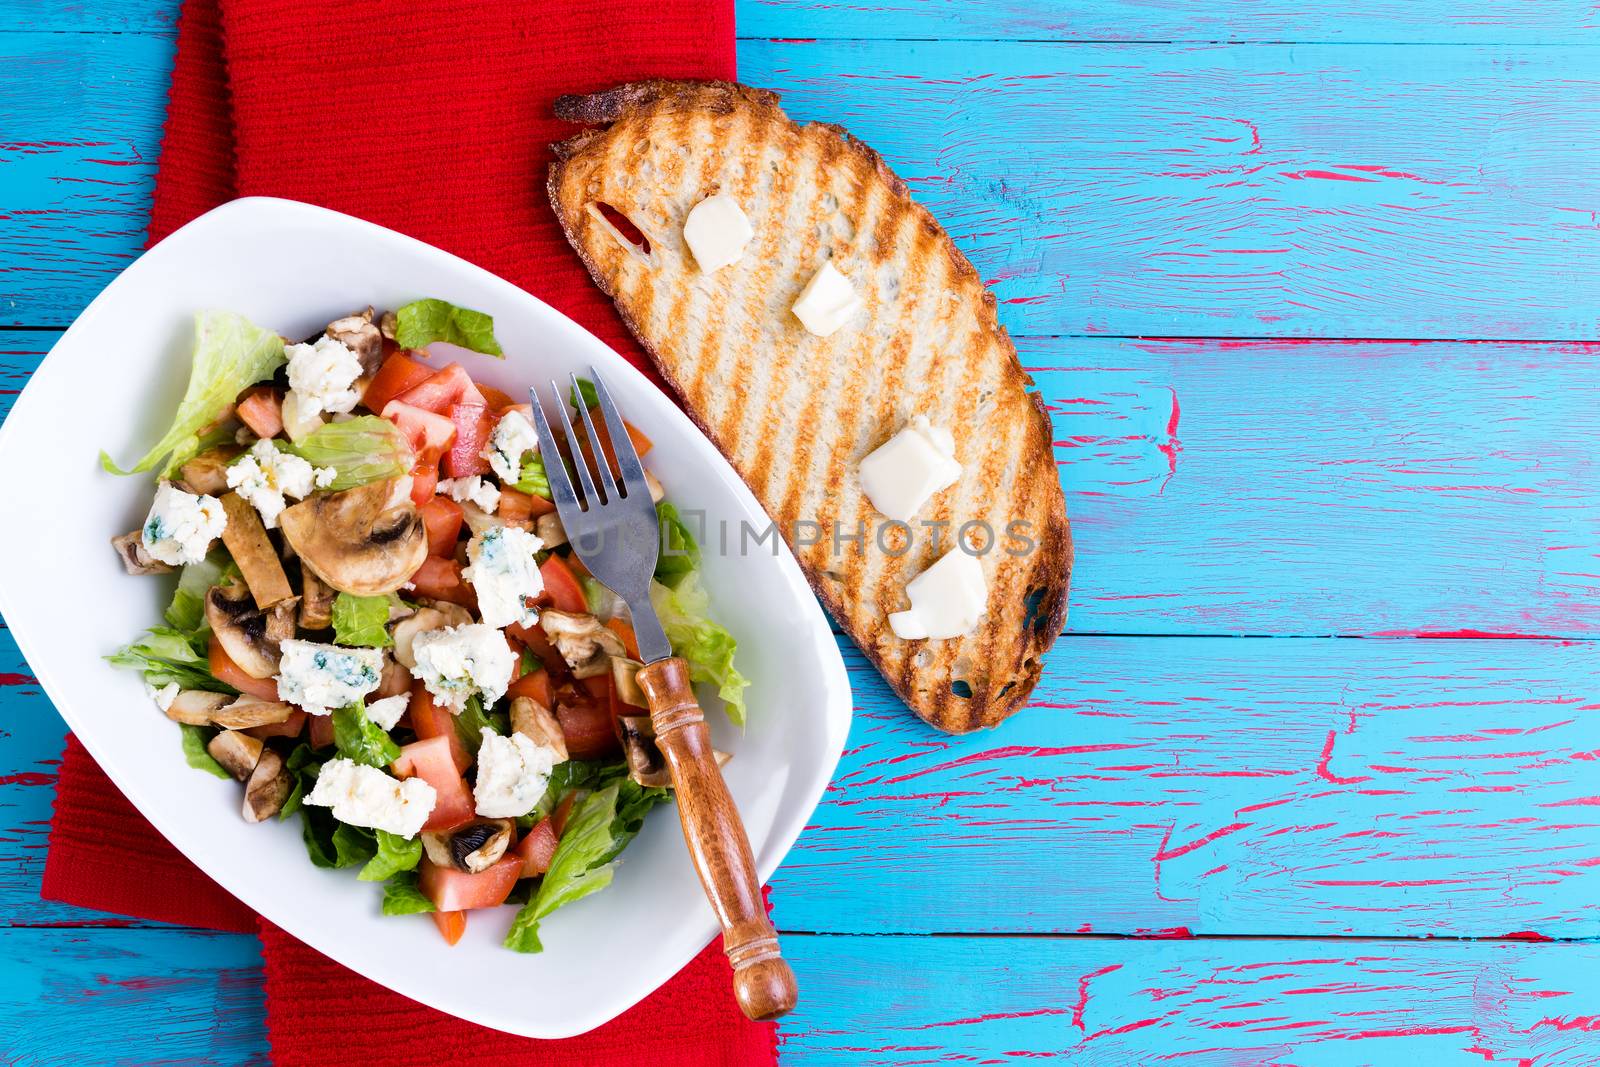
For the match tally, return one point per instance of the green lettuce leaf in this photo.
(470, 724)
(187, 612)
(422, 322)
(353, 844)
(302, 766)
(362, 620)
(166, 655)
(360, 450)
(402, 897)
(680, 554)
(230, 354)
(685, 616)
(360, 739)
(194, 750)
(533, 479)
(583, 395)
(395, 854)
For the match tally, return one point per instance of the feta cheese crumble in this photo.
(513, 438)
(387, 712)
(267, 478)
(181, 526)
(322, 376)
(163, 696)
(472, 490)
(505, 574)
(321, 677)
(512, 774)
(367, 796)
(458, 661)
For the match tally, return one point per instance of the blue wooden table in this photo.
(1312, 778)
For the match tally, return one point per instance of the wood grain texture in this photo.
(1422, 191)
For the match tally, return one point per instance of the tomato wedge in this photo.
(497, 400)
(516, 506)
(442, 517)
(223, 669)
(442, 391)
(586, 726)
(453, 890)
(321, 733)
(398, 374)
(429, 434)
(289, 727)
(430, 720)
(451, 924)
(440, 579)
(261, 408)
(537, 848)
(641, 443)
(473, 425)
(430, 761)
(561, 586)
(534, 685)
(625, 632)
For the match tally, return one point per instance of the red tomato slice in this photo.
(289, 727)
(223, 669)
(451, 924)
(641, 443)
(321, 735)
(473, 425)
(453, 890)
(442, 517)
(261, 408)
(424, 482)
(537, 848)
(535, 685)
(624, 631)
(497, 400)
(430, 720)
(561, 586)
(429, 434)
(586, 726)
(430, 761)
(399, 373)
(442, 391)
(440, 579)
(516, 506)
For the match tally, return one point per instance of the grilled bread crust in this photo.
(795, 413)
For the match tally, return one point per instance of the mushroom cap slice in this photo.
(135, 560)
(536, 722)
(196, 706)
(267, 789)
(249, 711)
(238, 753)
(646, 765)
(356, 541)
(249, 635)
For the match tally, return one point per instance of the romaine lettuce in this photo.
(422, 322)
(360, 450)
(362, 620)
(166, 655)
(708, 648)
(194, 750)
(680, 554)
(360, 739)
(394, 855)
(187, 612)
(402, 897)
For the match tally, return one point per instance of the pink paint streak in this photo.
(1083, 992)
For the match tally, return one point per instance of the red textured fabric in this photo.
(433, 120)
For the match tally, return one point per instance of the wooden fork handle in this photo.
(717, 840)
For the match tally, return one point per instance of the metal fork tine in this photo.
(554, 470)
(594, 444)
(627, 458)
(590, 496)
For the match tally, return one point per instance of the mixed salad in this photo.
(378, 626)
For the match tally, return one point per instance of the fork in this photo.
(613, 530)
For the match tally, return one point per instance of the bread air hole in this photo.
(622, 228)
(961, 689)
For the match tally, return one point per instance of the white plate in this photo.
(113, 382)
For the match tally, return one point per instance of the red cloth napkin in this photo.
(433, 120)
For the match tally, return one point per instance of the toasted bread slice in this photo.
(796, 413)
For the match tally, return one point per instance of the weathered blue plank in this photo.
(1242, 191)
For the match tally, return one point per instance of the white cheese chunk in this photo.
(906, 470)
(163, 696)
(320, 678)
(367, 796)
(717, 231)
(458, 661)
(267, 477)
(947, 599)
(505, 574)
(470, 490)
(323, 374)
(827, 302)
(512, 774)
(387, 712)
(181, 526)
(513, 438)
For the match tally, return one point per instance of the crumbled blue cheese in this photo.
(387, 712)
(367, 796)
(267, 478)
(513, 438)
(471, 490)
(322, 375)
(321, 677)
(504, 572)
(458, 661)
(163, 696)
(181, 526)
(512, 775)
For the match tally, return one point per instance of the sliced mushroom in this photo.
(355, 541)
(548, 528)
(238, 753)
(723, 758)
(252, 550)
(196, 706)
(406, 631)
(208, 472)
(536, 722)
(388, 323)
(359, 335)
(316, 600)
(657, 491)
(267, 789)
(396, 678)
(249, 635)
(477, 519)
(475, 847)
(646, 765)
(583, 641)
(250, 711)
(625, 679)
(135, 560)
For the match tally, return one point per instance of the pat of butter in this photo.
(947, 599)
(827, 302)
(906, 470)
(717, 231)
